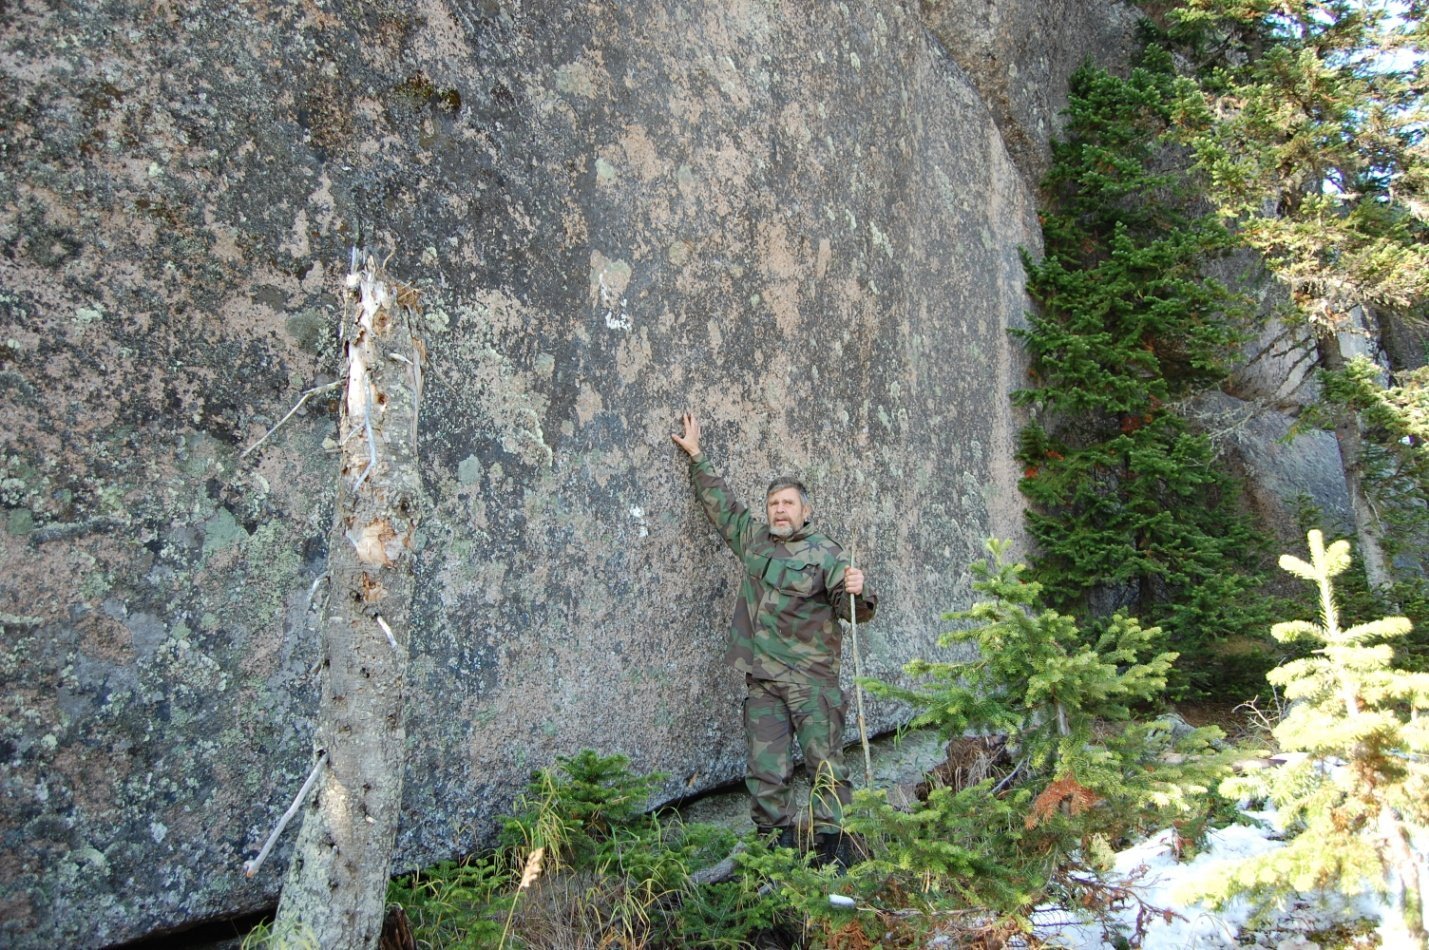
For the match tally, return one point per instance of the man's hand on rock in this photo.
(690, 441)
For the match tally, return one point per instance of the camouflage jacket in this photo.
(791, 597)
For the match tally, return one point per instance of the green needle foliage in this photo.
(1036, 678)
(579, 808)
(457, 904)
(1128, 505)
(1395, 460)
(1085, 774)
(582, 863)
(1361, 790)
(1306, 119)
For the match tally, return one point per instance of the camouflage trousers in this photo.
(776, 713)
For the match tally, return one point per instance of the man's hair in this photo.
(779, 484)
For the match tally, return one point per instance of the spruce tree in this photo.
(1086, 774)
(1360, 793)
(1307, 121)
(1395, 458)
(1128, 505)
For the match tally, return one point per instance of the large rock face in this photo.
(798, 219)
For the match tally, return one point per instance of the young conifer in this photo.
(1085, 773)
(1360, 794)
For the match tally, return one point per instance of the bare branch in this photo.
(388, 630)
(310, 393)
(250, 868)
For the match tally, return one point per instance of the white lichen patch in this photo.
(222, 530)
(525, 440)
(498, 396)
(435, 319)
(637, 514)
(581, 77)
(609, 280)
(880, 240)
(87, 316)
(468, 471)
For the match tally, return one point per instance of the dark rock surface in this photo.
(800, 220)
(1020, 56)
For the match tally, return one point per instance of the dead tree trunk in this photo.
(336, 885)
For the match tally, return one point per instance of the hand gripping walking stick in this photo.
(857, 687)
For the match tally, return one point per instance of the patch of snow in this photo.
(1151, 870)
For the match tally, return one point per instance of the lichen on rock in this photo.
(804, 228)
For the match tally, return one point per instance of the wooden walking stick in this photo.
(857, 688)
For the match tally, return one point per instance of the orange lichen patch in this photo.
(94, 798)
(1077, 797)
(16, 906)
(409, 297)
(640, 153)
(105, 638)
(382, 321)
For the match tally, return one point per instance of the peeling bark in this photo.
(336, 885)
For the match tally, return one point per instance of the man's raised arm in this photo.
(729, 516)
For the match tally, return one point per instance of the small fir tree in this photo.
(1361, 791)
(1085, 774)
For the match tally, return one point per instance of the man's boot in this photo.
(779, 837)
(837, 848)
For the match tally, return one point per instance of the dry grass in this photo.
(585, 910)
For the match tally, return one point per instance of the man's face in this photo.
(787, 512)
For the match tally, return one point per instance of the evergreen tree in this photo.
(1085, 776)
(1361, 791)
(1395, 460)
(1034, 676)
(1127, 504)
(1307, 121)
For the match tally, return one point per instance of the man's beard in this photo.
(781, 530)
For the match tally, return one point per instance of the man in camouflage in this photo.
(786, 639)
